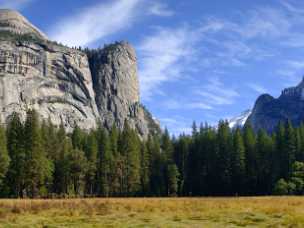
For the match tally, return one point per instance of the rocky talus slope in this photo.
(65, 84)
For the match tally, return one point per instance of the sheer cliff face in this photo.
(115, 82)
(67, 85)
(54, 81)
(268, 111)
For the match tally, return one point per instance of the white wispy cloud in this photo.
(96, 22)
(163, 57)
(14, 4)
(257, 88)
(265, 23)
(292, 71)
(293, 6)
(177, 125)
(182, 104)
(216, 93)
(160, 9)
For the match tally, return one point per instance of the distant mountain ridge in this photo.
(269, 111)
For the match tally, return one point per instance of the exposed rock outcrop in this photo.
(68, 85)
(12, 21)
(53, 80)
(115, 82)
(268, 111)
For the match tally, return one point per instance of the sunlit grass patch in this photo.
(154, 212)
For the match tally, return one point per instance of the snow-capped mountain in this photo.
(239, 120)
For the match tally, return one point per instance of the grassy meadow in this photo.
(154, 212)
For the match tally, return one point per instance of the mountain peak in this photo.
(13, 21)
(268, 112)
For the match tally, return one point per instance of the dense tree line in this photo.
(38, 159)
(226, 162)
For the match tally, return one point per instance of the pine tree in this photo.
(181, 152)
(77, 138)
(298, 144)
(167, 153)
(144, 169)
(60, 166)
(91, 155)
(224, 147)
(115, 163)
(4, 157)
(251, 159)
(264, 148)
(290, 149)
(280, 150)
(15, 144)
(300, 153)
(173, 176)
(157, 179)
(130, 150)
(78, 170)
(238, 163)
(38, 169)
(62, 173)
(103, 162)
(210, 161)
(49, 139)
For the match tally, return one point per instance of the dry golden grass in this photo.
(154, 212)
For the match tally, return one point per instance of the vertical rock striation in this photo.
(66, 85)
(116, 86)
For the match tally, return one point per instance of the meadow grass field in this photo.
(154, 212)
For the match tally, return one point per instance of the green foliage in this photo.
(281, 188)
(15, 145)
(38, 159)
(238, 162)
(104, 158)
(173, 176)
(129, 145)
(37, 168)
(4, 157)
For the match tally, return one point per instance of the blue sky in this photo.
(198, 60)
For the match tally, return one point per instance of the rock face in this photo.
(12, 21)
(67, 85)
(115, 82)
(268, 111)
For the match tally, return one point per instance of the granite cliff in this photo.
(68, 85)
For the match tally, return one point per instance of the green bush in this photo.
(281, 188)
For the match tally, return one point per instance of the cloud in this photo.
(163, 57)
(182, 104)
(14, 4)
(257, 88)
(96, 22)
(266, 23)
(215, 93)
(160, 9)
(291, 70)
(199, 105)
(292, 7)
(177, 125)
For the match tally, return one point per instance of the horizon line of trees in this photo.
(40, 160)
